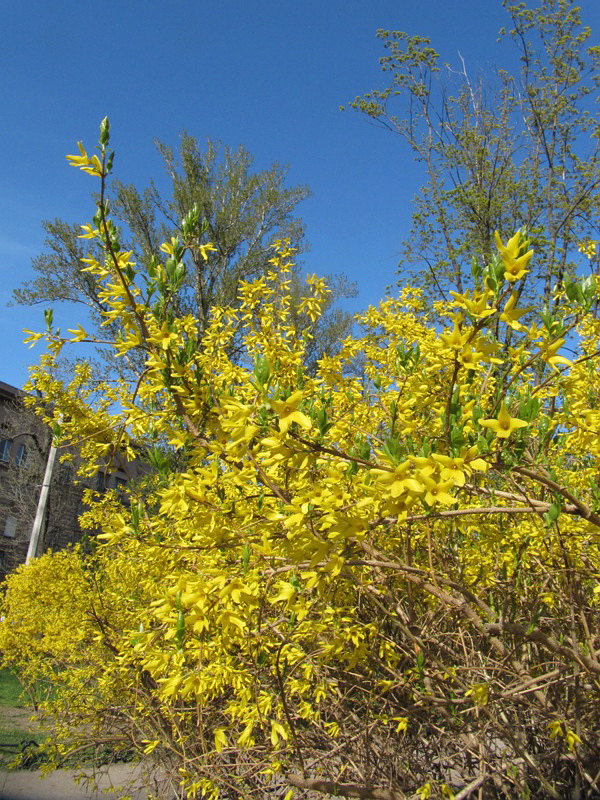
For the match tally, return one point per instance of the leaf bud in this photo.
(104, 132)
(262, 369)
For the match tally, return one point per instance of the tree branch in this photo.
(345, 789)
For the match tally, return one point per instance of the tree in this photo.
(516, 151)
(237, 210)
(382, 587)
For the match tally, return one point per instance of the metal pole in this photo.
(41, 507)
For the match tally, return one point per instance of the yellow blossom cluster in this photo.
(322, 570)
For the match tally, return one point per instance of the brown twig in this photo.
(345, 789)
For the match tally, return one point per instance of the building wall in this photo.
(24, 443)
(24, 447)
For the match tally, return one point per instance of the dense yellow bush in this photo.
(378, 580)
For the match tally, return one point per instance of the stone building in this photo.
(24, 448)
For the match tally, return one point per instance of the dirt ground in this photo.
(24, 784)
(61, 784)
(19, 717)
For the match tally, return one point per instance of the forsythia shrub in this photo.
(379, 580)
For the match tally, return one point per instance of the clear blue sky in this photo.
(268, 74)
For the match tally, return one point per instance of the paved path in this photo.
(60, 785)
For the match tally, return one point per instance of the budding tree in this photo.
(508, 151)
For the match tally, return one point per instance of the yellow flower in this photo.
(468, 357)
(458, 469)
(589, 248)
(78, 334)
(287, 410)
(32, 337)
(437, 491)
(81, 160)
(456, 340)
(515, 265)
(504, 425)
(205, 249)
(510, 315)
(554, 728)
(549, 353)
(480, 693)
(424, 792)
(90, 233)
(452, 468)
(169, 247)
(84, 162)
(166, 337)
(572, 739)
(402, 724)
(399, 481)
(475, 304)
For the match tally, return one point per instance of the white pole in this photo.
(41, 507)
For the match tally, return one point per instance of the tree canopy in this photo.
(514, 150)
(232, 215)
(381, 586)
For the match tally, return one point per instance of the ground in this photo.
(17, 729)
(19, 733)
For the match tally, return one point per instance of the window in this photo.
(101, 481)
(5, 450)
(21, 457)
(121, 487)
(10, 527)
(65, 473)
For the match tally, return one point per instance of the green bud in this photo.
(189, 223)
(246, 552)
(104, 132)
(393, 450)
(497, 269)
(492, 283)
(456, 437)
(180, 630)
(262, 369)
(152, 266)
(364, 450)
(180, 271)
(323, 422)
(553, 513)
(573, 291)
(170, 266)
